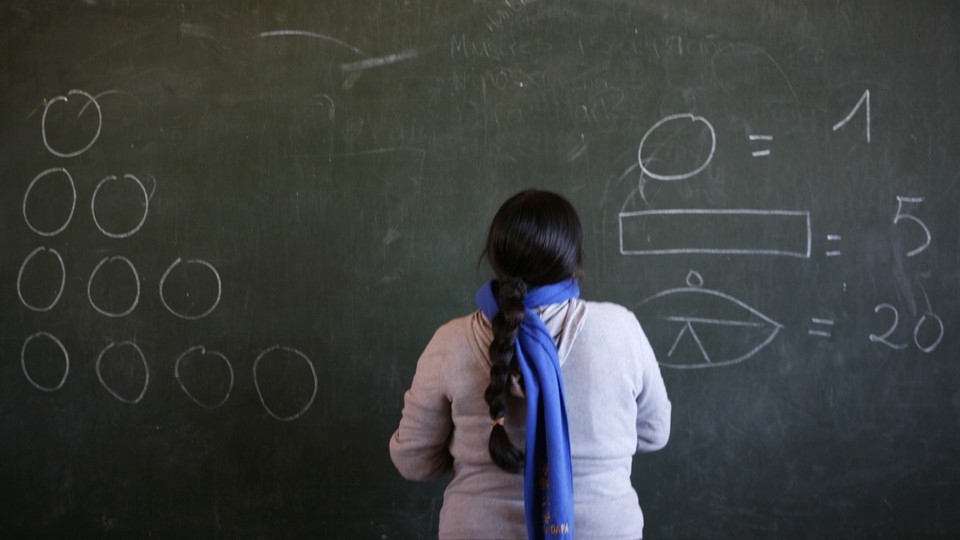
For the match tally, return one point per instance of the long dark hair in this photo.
(535, 239)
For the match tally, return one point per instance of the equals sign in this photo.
(833, 238)
(824, 329)
(760, 153)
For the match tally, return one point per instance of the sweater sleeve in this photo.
(419, 446)
(653, 405)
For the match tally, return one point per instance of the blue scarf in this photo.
(548, 470)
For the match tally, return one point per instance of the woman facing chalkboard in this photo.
(538, 400)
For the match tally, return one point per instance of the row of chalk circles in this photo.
(197, 352)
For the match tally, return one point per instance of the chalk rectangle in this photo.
(718, 232)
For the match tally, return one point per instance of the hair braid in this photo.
(506, 326)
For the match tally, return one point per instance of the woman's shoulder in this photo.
(609, 319)
(610, 311)
(458, 325)
(464, 335)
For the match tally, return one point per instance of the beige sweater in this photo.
(616, 404)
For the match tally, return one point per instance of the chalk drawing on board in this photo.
(928, 316)
(66, 361)
(113, 91)
(863, 102)
(143, 360)
(760, 153)
(929, 347)
(166, 275)
(143, 218)
(644, 161)
(312, 35)
(136, 280)
(326, 102)
(380, 61)
(63, 279)
(202, 353)
(902, 215)
(581, 147)
(43, 123)
(256, 381)
(833, 238)
(821, 327)
(715, 232)
(883, 338)
(73, 203)
(713, 329)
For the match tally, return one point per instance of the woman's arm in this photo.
(419, 446)
(653, 405)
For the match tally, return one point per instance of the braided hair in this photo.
(535, 239)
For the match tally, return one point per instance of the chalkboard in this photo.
(229, 229)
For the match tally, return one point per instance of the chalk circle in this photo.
(73, 204)
(136, 279)
(682, 176)
(146, 206)
(694, 279)
(256, 382)
(203, 353)
(66, 361)
(63, 279)
(43, 123)
(146, 370)
(166, 274)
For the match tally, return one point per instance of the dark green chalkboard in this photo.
(227, 229)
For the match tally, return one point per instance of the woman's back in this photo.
(537, 401)
(615, 402)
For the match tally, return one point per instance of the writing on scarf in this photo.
(544, 482)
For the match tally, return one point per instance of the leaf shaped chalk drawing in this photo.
(708, 328)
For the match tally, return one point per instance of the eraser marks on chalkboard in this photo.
(368, 63)
(312, 35)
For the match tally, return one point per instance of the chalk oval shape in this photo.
(180, 313)
(143, 361)
(43, 123)
(702, 328)
(257, 383)
(201, 353)
(63, 280)
(73, 202)
(26, 372)
(667, 120)
(146, 207)
(136, 280)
